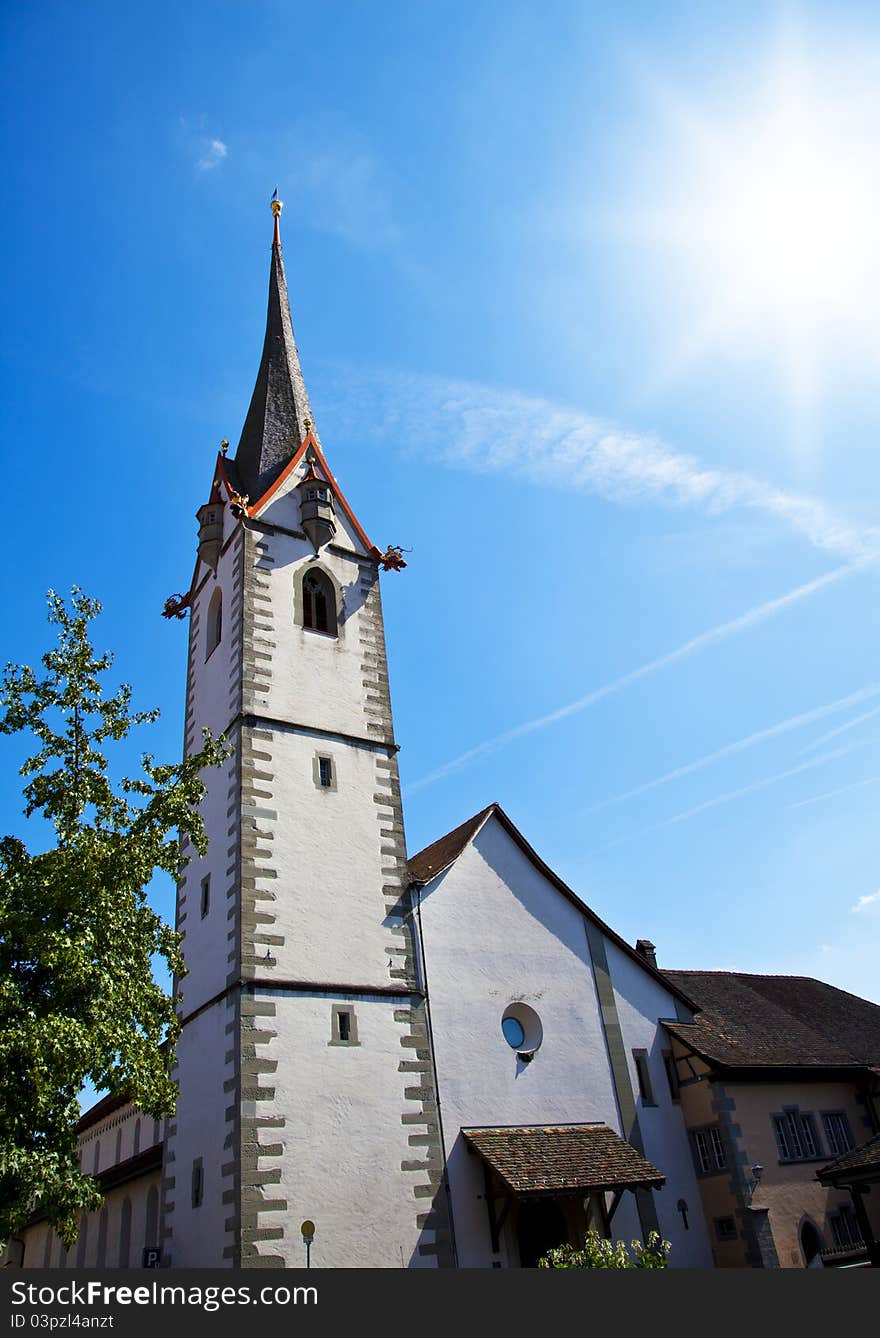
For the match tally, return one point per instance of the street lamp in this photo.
(752, 1185)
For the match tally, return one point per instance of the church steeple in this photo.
(279, 413)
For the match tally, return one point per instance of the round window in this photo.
(513, 1033)
(521, 1028)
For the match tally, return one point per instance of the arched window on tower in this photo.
(215, 622)
(319, 602)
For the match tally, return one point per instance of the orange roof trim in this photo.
(308, 441)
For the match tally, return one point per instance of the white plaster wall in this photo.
(316, 679)
(344, 1139)
(326, 850)
(206, 944)
(495, 931)
(199, 1234)
(210, 693)
(641, 1001)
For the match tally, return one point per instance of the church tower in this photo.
(304, 1062)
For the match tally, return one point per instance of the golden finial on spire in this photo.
(277, 206)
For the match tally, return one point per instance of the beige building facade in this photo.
(776, 1077)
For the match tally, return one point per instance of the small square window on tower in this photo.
(324, 771)
(343, 1025)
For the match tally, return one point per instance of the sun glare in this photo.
(767, 216)
(793, 221)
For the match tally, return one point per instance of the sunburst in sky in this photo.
(763, 202)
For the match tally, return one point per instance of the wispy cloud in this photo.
(830, 794)
(692, 647)
(759, 736)
(475, 427)
(212, 155)
(873, 899)
(841, 729)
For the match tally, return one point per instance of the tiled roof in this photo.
(863, 1159)
(562, 1158)
(441, 853)
(748, 1021)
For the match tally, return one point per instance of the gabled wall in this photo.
(495, 932)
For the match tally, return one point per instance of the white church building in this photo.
(442, 1061)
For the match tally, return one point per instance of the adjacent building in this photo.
(776, 1076)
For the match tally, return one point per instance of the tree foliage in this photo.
(598, 1252)
(78, 1000)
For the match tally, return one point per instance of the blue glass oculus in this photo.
(513, 1033)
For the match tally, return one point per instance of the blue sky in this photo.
(587, 303)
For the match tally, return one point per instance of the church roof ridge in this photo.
(434, 859)
(279, 415)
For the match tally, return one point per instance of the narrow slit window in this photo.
(198, 1185)
(672, 1075)
(206, 895)
(325, 772)
(643, 1073)
(215, 623)
(345, 1026)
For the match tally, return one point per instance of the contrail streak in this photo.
(772, 732)
(758, 785)
(832, 733)
(715, 634)
(730, 795)
(829, 794)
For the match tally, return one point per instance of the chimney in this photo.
(645, 948)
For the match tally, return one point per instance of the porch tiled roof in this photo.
(562, 1158)
(863, 1159)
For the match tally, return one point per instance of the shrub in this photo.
(597, 1252)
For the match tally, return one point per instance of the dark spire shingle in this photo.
(276, 420)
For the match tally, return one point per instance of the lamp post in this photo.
(308, 1234)
(752, 1185)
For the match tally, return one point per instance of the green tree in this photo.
(78, 999)
(598, 1252)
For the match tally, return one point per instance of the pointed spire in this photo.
(279, 415)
